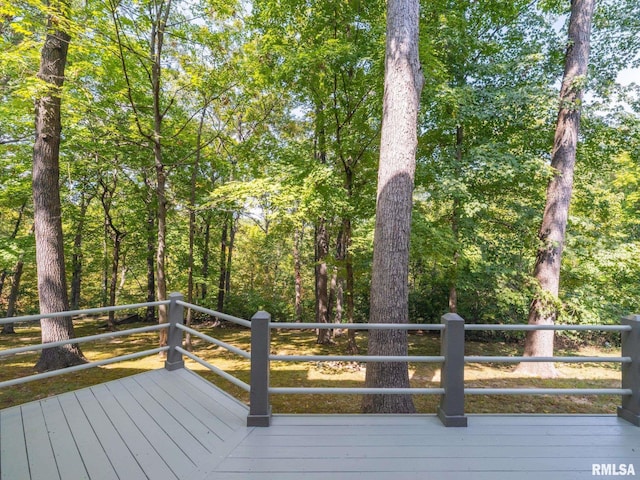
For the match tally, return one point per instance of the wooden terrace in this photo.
(173, 424)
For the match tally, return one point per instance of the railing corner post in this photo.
(259, 407)
(630, 408)
(451, 409)
(174, 359)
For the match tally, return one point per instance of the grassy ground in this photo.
(334, 374)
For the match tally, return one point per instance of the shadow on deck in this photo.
(175, 425)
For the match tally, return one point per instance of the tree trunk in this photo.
(14, 234)
(232, 239)
(52, 287)
(104, 284)
(455, 229)
(113, 283)
(116, 237)
(7, 328)
(223, 262)
(205, 258)
(192, 227)
(76, 261)
(157, 43)
(297, 271)
(150, 315)
(543, 309)
(322, 280)
(453, 273)
(398, 143)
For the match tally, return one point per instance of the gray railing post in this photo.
(174, 335)
(451, 410)
(259, 407)
(630, 409)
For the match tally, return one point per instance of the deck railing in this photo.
(452, 389)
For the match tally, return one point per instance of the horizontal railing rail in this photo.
(84, 366)
(85, 312)
(356, 326)
(533, 328)
(213, 313)
(81, 340)
(452, 388)
(452, 358)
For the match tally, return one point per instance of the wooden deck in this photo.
(174, 425)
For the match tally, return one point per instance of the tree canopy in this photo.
(231, 148)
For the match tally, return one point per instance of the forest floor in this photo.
(315, 374)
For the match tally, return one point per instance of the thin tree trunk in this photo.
(116, 236)
(223, 262)
(150, 314)
(297, 271)
(3, 278)
(157, 43)
(76, 260)
(205, 258)
(104, 286)
(544, 307)
(453, 272)
(192, 227)
(455, 229)
(113, 283)
(321, 239)
(398, 143)
(322, 280)
(14, 234)
(52, 288)
(232, 239)
(8, 328)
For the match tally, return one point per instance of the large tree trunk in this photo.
(52, 285)
(8, 328)
(543, 310)
(398, 143)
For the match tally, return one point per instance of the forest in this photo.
(229, 150)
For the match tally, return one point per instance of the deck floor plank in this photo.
(65, 448)
(163, 425)
(42, 462)
(123, 461)
(13, 445)
(93, 455)
(150, 429)
(151, 462)
(199, 404)
(185, 430)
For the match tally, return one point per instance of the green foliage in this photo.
(275, 105)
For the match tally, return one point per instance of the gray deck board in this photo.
(12, 445)
(42, 462)
(65, 449)
(99, 466)
(162, 425)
